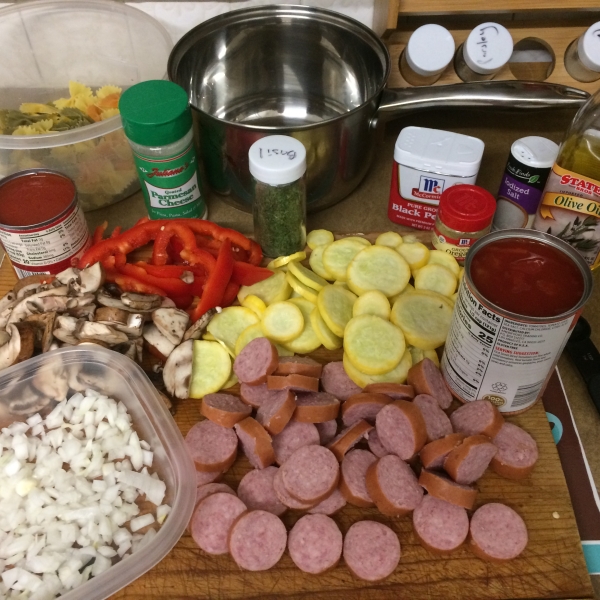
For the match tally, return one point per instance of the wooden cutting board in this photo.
(552, 566)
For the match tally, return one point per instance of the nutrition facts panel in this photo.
(488, 355)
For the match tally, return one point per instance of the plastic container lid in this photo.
(437, 151)
(277, 159)
(535, 151)
(155, 113)
(588, 48)
(465, 207)
(429, 50)
(488, 48)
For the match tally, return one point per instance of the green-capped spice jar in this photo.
(278, 166)
(158, 124)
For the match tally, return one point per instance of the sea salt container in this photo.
(426, 162)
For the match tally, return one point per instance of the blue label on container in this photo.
(526, 196)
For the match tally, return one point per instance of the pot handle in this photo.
(479, 94)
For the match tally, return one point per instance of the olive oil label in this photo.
(170, 185)
(570, 210)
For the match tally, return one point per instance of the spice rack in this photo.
(545, 23)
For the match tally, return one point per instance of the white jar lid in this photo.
(588, 48)
(535, 151)
(429, 50)
(277, 159)
(488, 48)
(437, 151)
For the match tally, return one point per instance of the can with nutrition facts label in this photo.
(42, 227)
(520, 297)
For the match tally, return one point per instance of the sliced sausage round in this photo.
(371, 550)
(257, 395)
(315, 544)
(401, 428)
(479, 417)
(224, 409)
(335, 381)
(467, 463)
(363, 406)
(310, 474)
(393, 486)
(426, 378)
(204, 477)
(297, 383)
(436, 420)
(256, 361)
(294, 436)
(353, 473)
(375, 445)
(256, 443)
(439, 526)
(276, 412)
(327, 431)
(332, 504)
(298, 365)
(206, 490)
(434, 454)
(444, 488)
(348, 438)
(256, 491)
(212, 520)
(517, 452)
(316, 407)
(211, 446)
(285, 497)
(498, 533)
(257, 540)
(396, 391)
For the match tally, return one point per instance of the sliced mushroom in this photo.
(178, 370)
(167, 303)
(66, 322)
(43, 325)
(105, 299)
(110, 315)
(91, 331)
(92, 279)
(29, 402)
(157, 343)
(10, 350)
(171, 322)
(134, 326)
(196, 330)
(38, 305)
(83, 312)
(22, 307)
(65, 336)
(51, 379)
(30, 280)
(68, 276)
(141, 301)
(29, 290)
(27, 335)
(81, 300)
(6, 313)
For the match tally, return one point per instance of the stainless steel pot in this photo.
(318, 76)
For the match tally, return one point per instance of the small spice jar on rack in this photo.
(278, 167)
(582, 58)
(464, 215)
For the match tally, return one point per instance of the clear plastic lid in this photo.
(437, 151)
(488, 48)
(277, 159)
(588, 48)
(429, 50)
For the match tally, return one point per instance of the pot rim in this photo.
(291, 11)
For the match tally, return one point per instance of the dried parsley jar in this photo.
(278, 168)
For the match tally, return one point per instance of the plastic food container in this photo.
(44, 45)
(121, 379)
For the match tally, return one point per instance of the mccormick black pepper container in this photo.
(278, 167)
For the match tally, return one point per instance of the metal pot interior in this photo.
(279, 66)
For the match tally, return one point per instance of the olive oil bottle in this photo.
(570, 206)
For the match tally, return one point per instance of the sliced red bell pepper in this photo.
(215, 286)
(116, 232)
(247, 274)
(182, 302)
(99, 232)
(130, 284)
(171, 285)
(175, 271)
(230, 294)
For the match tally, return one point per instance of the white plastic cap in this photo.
(437, 151)
(588, 48)
(277, 159)
(534, 151)
(488, 48)
(429, 50)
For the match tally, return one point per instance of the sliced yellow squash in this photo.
(335, 305)
(436, 278)
(414, 253)
(307, 341)
(282, 321)
(227, 326)
(325, 335)
(211, 368)
(338, 255)
(396, 375)
(272, 289)
(318, 237)
(389, 238)
(306, 276)
(372, 303)
(302, 290)
(316, 262)
(439, 257)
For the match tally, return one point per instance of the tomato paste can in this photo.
(520, 297)
(42, 227)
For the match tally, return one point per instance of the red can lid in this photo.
(465, 207)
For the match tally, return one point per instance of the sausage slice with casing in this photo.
(434, 454)
(467, 462)
(426, 378)
(363, 406)
(276, 412)
(437, 423)
(256, 443)
(211, 446)
(316, 407)
(353, 473)
(256, 361)
(401, 428)
(517, 452)
(479, 417)
(315, 543)
(444, 488)
(224, 409)
(439, 526)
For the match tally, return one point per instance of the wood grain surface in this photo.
(552, 566)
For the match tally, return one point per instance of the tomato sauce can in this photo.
(42, 227)
(507, 335)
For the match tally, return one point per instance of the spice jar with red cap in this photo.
(464, 215)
